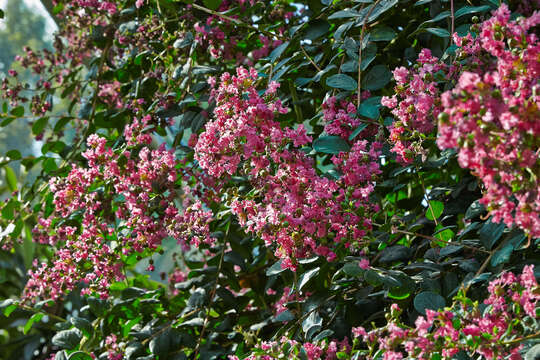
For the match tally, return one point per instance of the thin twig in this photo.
(359, 97)
(426, 195)
(522, 339)
(309, 58)
(452, 19)
(237, 21)
(35, 311)
(212, 294)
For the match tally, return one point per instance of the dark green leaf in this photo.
(212, 4)
(330, 145)
(376, 78)
(370, 108)
(474, 210)
(312, 324)
(316, 28)
(18, 111)
(14, 154)
(39, 125)
(533, 353)
(352, 269)
(342, 81)
(490, 232)
(67, 339)
(368, 55)
(428, 300)
(275, 269)
(382, 33)
(343, 14)
(276, 53)
(467, 10)
(284, 316)
(378, 8)
(439, 32)
(161, 344)
(357, 131)
(80, 355)
(82, 324)
(305, 277)
(502, 256)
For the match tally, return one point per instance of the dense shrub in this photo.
(245, 179)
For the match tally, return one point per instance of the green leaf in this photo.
(18, 111)
(1, 14)
(98, 306)
(80, 355)
(533, 353)
(344, 14)
(11, 178)
(428, 300)
(378, 9)
(160, 345)
(439, 32)
(342, 81)
(84, 325)
(357, 131)
(8, 306)
(330, 145)
(368, 55)
(276, 53)
(490, 233)
(435, 210)
(275, 269)
(312, 324)
(382, 33)
(474, 210)
(49, 165)
(305, 277)
(352, 269)
(58, 8)
(212, 4)
(467, 10)
(67, 339)
(34, 318)
(376, 78)
(370, 108)
(284, 316)
(502, 256)
(14, 154)
(39, 125)
(316, 28)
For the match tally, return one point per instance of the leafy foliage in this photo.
(244, 181)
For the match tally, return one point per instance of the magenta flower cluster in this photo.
(291, 206)
(125, 203)
(492, 118)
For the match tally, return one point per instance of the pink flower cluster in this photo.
(415, 105)
(492, 118)
(211, 35)
(291, 206)
(294, 350)
(125, 203)
(492, 333)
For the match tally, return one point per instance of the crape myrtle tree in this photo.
(340, 180)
